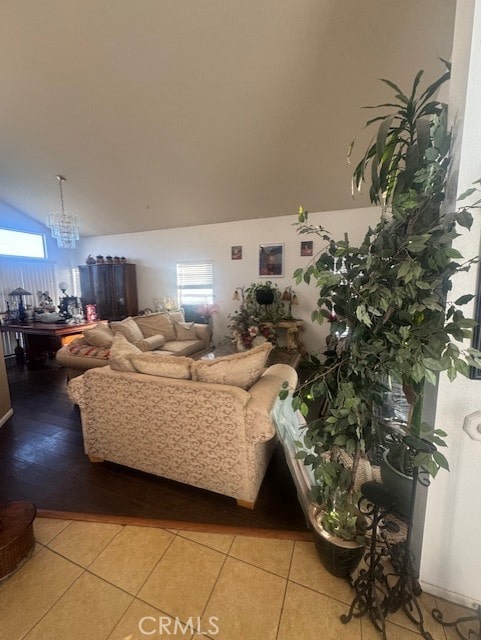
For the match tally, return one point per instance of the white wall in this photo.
(451, 558)
(156, 253)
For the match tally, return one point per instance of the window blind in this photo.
(31, 275)
(195, 283)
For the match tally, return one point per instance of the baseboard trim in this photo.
(450, 596)
(177, 524)
(6, 417)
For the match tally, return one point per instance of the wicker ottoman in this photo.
(16, 536)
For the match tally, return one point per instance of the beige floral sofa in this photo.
(205, 422)
(165, 332)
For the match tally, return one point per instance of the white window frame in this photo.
(11, 239)
(195, 282)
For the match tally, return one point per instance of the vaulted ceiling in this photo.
(170, 113)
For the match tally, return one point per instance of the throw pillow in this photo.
(121, 353)
(177, 316)
(89, 351)
(129, 329)
(99, 336)
(185, 331)
(149, 344)
(240, 369)
(154, 324)
(158, 364)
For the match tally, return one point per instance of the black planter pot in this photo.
(398, 484)
(339, 557)
(264, 296)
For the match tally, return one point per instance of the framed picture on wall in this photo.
(236, 253)
(306, 247)
(271, 260)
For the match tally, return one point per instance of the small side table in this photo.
(16, 536)
(292, 329)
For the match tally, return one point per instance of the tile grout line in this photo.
(56, 535)
(128, 593)
(120, 617)
(226, 555)
(86, 570)
(73, 561)
(205, 606)
(285, 591)
(174, 536)
(326, 595)
(47, 611)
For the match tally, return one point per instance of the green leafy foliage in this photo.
(273, 312)
(388, 299)
(409, 141)
(341, 522)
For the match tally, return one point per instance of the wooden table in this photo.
(42, 338)
(278, 355)
(292, 329)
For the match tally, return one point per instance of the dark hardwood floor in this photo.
(42, 461)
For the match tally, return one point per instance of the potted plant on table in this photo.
(388, 299)
(264, 301)
(261, 307)
(247, 331)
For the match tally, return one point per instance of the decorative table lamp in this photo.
(19, 291)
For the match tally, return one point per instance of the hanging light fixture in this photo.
(65, 228)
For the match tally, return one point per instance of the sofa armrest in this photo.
(203, 332)
(263, 395)
(75, 390)
(79, 355)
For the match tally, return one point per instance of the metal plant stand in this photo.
(371, 583)
(380, 592)
(404, 594)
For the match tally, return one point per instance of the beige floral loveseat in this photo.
(165, 332)
(206, 423)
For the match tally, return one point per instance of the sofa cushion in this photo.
(149, 344)
(99, 336)
(183, 347)
(185, 331)
(156, 364)
(240, 369)
(121, 352)
(154, 324)
(129, 329)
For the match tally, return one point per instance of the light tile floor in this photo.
(91, 581)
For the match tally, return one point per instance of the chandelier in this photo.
(65, 228)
